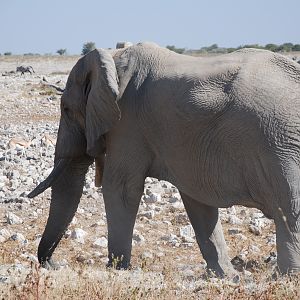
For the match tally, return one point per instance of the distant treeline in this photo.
(286, 47)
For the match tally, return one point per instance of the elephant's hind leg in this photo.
(209, 235)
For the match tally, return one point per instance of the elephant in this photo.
(225, 130)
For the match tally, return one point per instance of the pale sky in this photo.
(44, 26)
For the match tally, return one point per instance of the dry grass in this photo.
(157, 277)
(90, 283)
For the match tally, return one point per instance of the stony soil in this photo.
(166, 259)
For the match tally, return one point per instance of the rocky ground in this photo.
(166, 259)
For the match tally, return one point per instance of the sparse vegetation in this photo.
(7, 53)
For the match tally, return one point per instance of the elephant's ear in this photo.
(102, 111)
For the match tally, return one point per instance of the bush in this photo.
(7, 53)
(88, 47)
(61, 51)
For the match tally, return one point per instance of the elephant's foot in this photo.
(50, 264)
(118, 264)
(288, 248)
(223, 270)
(288, 260)
(233, 276)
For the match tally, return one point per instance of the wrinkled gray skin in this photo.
(225, 130)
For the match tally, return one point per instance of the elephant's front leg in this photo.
(209, 235)
(121, 205)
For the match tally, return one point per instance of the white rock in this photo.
(5, 233)
(152, 198)
(78, 234)
(148, 214)
(186, 231)
(241, 237)
(29, 257)
(168, 223)
(176, 206)
(98, 254)
(138, 238)
(146, 255)
(188, 239)
(29, 181)
(100, 242)
(234, 220)
(74, 221)
(15, 174)
(271, 240)
(3, 181)
(19, 237)
(175, 198)
(68, 233)
(171, 238)
(255, 229)
(257, 215)
(254, 249)
(148, 180)
(90, 261)
(11, 219)
(231, 210)
(166, 184)
(33, 214)
(80, 211)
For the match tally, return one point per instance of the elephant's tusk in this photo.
(56, 172)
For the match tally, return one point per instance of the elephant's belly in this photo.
(218, 188)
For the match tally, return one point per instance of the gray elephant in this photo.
(225, 130)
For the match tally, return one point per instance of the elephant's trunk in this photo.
(66, 193)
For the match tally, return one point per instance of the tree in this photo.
(61, 51)
(271, 47)
(88, 47)
(212, 47)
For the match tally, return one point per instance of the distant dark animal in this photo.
(24, 69)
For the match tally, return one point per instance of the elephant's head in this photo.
(88, 110)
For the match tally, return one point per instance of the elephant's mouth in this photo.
(58, 169)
